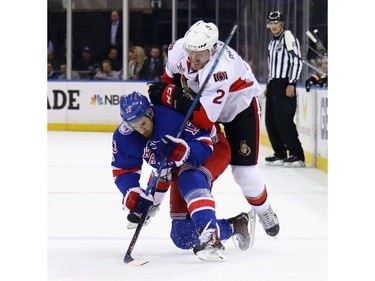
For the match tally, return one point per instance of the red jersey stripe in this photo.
(117, 173)
(166, 78)
(240, 84)
(204, 203)
(201, 120)
(259, 200)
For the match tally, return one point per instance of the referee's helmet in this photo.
(275, 16)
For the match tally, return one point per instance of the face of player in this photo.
(198, 59)
(276, 27)
(144, 126)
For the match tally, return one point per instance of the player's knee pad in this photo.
(249, 178)
(192, 178)
(184, 234)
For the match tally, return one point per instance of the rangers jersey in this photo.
(130, 149)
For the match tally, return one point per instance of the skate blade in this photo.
(213, 256)
(252, 222)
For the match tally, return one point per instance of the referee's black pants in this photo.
(280, 111)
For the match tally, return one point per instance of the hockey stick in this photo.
(128, 258)
(150, 188)
(320, 41)
(290, 43)
(318, 54)
(316, 40)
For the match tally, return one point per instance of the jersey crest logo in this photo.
(244, 149)
(152, 159)
(220, 76)
(146, 152)
(189, 127)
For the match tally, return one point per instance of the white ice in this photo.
(87, 234)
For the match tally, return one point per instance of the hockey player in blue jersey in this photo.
(146, 134)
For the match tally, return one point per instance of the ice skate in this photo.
(210, 247)
(243, 229)
(274, 161)
(269, 221)
(294, 162)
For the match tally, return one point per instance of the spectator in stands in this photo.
(63, 76)
(52, 59)
(50, 47)
(107, 73)
(135, 64)
(153, 67)
(114, 32)
(51, 73)
(86, 65)
(114, 58)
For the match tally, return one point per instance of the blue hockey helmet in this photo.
(134, 106)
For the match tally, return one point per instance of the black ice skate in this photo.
(269, 221)
(243, 226)
(274, 161)
(294, 162)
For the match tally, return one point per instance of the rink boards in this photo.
(94, 106)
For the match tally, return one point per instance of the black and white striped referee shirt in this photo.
(281, 64)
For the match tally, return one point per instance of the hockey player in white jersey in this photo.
(229, 98)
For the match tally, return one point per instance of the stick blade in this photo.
(312, 38)
(128, 259)
(289, 40)
(252, 222)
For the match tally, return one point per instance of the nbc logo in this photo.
(96, 99)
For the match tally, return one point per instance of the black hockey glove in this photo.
(155, 92)
(311, 81)
(171, 95)
(167, 94)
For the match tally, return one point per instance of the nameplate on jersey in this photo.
(220, 76)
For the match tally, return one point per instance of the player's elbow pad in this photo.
(199, 153)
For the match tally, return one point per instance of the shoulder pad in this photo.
(125, 129)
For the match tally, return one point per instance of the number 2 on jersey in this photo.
(219, 98)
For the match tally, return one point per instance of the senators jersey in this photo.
(229, 90)
(130, 149)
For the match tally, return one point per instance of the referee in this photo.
(281, 103)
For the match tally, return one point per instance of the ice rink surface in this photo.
(87, 234)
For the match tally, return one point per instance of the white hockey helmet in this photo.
(201, 36)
